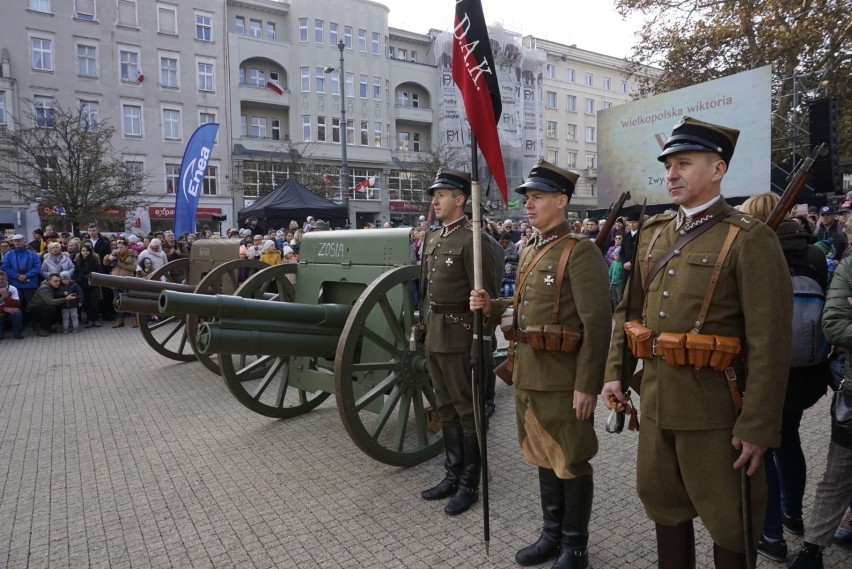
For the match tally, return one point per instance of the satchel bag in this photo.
(841, 415)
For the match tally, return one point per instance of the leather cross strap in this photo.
(714, 277)
(560, 276)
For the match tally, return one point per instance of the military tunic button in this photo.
(439, 244)
(672, 272)
(662, 314)
(676, 251)
(526, 302)
(697, 323)
(683, 231)
(527, 287)
(549, 267)
(523, 317)
(666, 294)
(705, 260)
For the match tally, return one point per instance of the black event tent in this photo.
(291, 200)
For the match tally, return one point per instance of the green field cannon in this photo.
(214, 266)
(347, 331)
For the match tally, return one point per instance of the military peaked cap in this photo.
(694, 135)
(549, 178)
(451, 180)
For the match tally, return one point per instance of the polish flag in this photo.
(140, 77)
(367, 183)
(275, 87)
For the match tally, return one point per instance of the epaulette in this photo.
(578, 236)
(660, 217)
(742, 220)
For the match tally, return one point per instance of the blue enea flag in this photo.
(192, 169)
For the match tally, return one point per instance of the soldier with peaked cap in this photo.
(693, 440)
(449, 336)
(562, 324)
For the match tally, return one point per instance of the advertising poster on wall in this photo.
(632, 136)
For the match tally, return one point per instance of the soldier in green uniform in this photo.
(701, 341)
(561, 324)
(449, 337)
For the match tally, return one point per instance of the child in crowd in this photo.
(508, 281)
(70, 316)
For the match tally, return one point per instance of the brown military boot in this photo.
(676, 546)
(119, 323)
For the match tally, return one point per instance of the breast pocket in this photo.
(699, 270)
(452, 260)
(540, 284)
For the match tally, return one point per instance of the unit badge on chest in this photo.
(548, 280)
(449, 261)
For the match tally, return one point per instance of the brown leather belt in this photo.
(521, 336)
(448, 308)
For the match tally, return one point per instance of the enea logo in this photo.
(195, 170)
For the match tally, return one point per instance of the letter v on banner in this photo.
(196, 157)
(474, 73)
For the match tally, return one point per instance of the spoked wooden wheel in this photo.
(381, 383)
(224, 279)
(167, 334)
(265, 384)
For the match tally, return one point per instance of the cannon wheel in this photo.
(381, 383)
(167, 334)
(223, 279)
(261, 383)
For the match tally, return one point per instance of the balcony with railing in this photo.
(410, 113)
(265, 94)
(590, 173)
(269, 6)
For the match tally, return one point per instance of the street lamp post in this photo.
(344, 127)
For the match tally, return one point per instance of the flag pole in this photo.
(478, 338)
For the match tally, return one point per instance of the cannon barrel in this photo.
(139, 303)
(221, 306)
(136, 283)
(213, 338)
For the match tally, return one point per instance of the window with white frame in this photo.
(377, 88)
(335, 129)
(136, 167)
(203, 27)
(275, 128)
(319, 79)
(40, 6)
(365, 133)
(552, 156)
(590, 79)
(413, 58)
(205, 76)
(593, 189)
(2, 107)
(319, 31)
(350, 84)
(239, 25)
(127, 13)
(570, 75)
(590, 134)
(415, 101)
(350, 131)
(258, 127)
(362, 86)
(306, 128)
(571, 103)
(84, 10)
(591, 161)
(570, 131)
(415, 141)
(551, 129)
(377, 134)
(607, 83)
(332, 34)
(335, 83)
(255, 28)
(321, 129)
(590, 106)
(87, 60)
(129, 65)
(168, 72)
(390, 52)
(305, 75)
(167, 19)
(550, 99)
(303, 29)
(607, 105)
(624, 86)
(270, 30)
(402, 98)
(171, 124)
(89, 115)
(375, 43)
(210, 185)
(206, 117)
(42, 54)
(401, 54)
(551, 71)
(403, 141)
(362, 41)
(131, 120)
(43, 110)
(46, 171)
(243, 125)
(572, 160)
(347, 37)
(172, 176)
(257, 77)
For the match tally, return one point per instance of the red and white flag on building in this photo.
(140, 77)
(275, 87)
(367, 183)
(475, 75)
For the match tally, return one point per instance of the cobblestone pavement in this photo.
(113, 456)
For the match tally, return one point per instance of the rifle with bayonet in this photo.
(798, 179)
(611, 216)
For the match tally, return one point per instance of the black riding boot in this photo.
(552, 510)
(468, 490)
(577, 495)
(453, 463)
(727, 559)
(676, 546)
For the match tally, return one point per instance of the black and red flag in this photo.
(475, 75)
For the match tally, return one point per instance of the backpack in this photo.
(809, 344)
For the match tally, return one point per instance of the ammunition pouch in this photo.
(551, 338)
(640, 339)
(504, 370)
(699, 349)
(727, 347)
(507, 324)
(672, 346)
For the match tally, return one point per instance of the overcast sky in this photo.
(593, 25)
